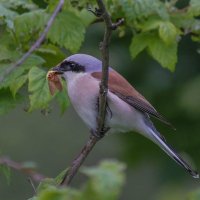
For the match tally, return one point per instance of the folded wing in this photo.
(119, 86)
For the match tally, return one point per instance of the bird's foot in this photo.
(101, 133)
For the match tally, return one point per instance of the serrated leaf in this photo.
(7, 102)
(152, 23)
(14, 4)
(165, 54)
(139, 43)
(8, 15)
(110, 178)
(67, 31)
(29, 23)
(86, 17)
(38, 87)
(142, 9)
(51, 53)
(167, 32)
(9, 79)
(19, 82)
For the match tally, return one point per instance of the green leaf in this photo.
(165, 54)
(53, 193)
(168, 32)
(194, 9)
(62, 98)
(45, 183)
(38, 87)
(7, 54)
(15, 4)
(152, 23)
(11, 78)
(19, 82)
(8, 15)
(106, 180)
(142, 9)
(60, 176)
(51, 53)
(139, 43)
(67, 31)
(86, 17)
(28, 24)
(7, 102)
(6, 172)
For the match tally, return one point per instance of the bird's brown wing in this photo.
(119, 86)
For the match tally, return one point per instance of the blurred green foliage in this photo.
(110, 178)
(159, 28)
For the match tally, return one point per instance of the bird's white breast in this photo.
(83, 91)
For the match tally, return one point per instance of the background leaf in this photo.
(67, 31)
(38, 87)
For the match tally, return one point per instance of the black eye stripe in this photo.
(72, 66)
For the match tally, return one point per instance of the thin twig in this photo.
(101, 129)
(35, 176)
(77, 162)
(37, 43)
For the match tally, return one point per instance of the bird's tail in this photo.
(155, 136)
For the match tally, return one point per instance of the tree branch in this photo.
(101, 129)
(35, 176)
(37, 43)
(77, 162)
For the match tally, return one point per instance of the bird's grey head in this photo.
(79, 63)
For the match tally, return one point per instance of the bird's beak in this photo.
(57, 70)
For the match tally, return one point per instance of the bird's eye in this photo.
(72, 65)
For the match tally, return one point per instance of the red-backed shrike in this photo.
(127, 109)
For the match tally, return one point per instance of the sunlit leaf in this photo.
(110, 178)
(151, 23)
(27, 24)
(139, 43)
(11, 78)
(167, 32)
(67, 31)
(38, 88)
(165, 54)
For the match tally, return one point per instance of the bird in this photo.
(126, 109)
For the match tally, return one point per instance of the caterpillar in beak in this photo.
(54, 82)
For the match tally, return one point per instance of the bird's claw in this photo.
(101, 133)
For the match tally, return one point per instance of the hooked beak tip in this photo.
(57, 70)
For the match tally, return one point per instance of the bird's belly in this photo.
(83, 93)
